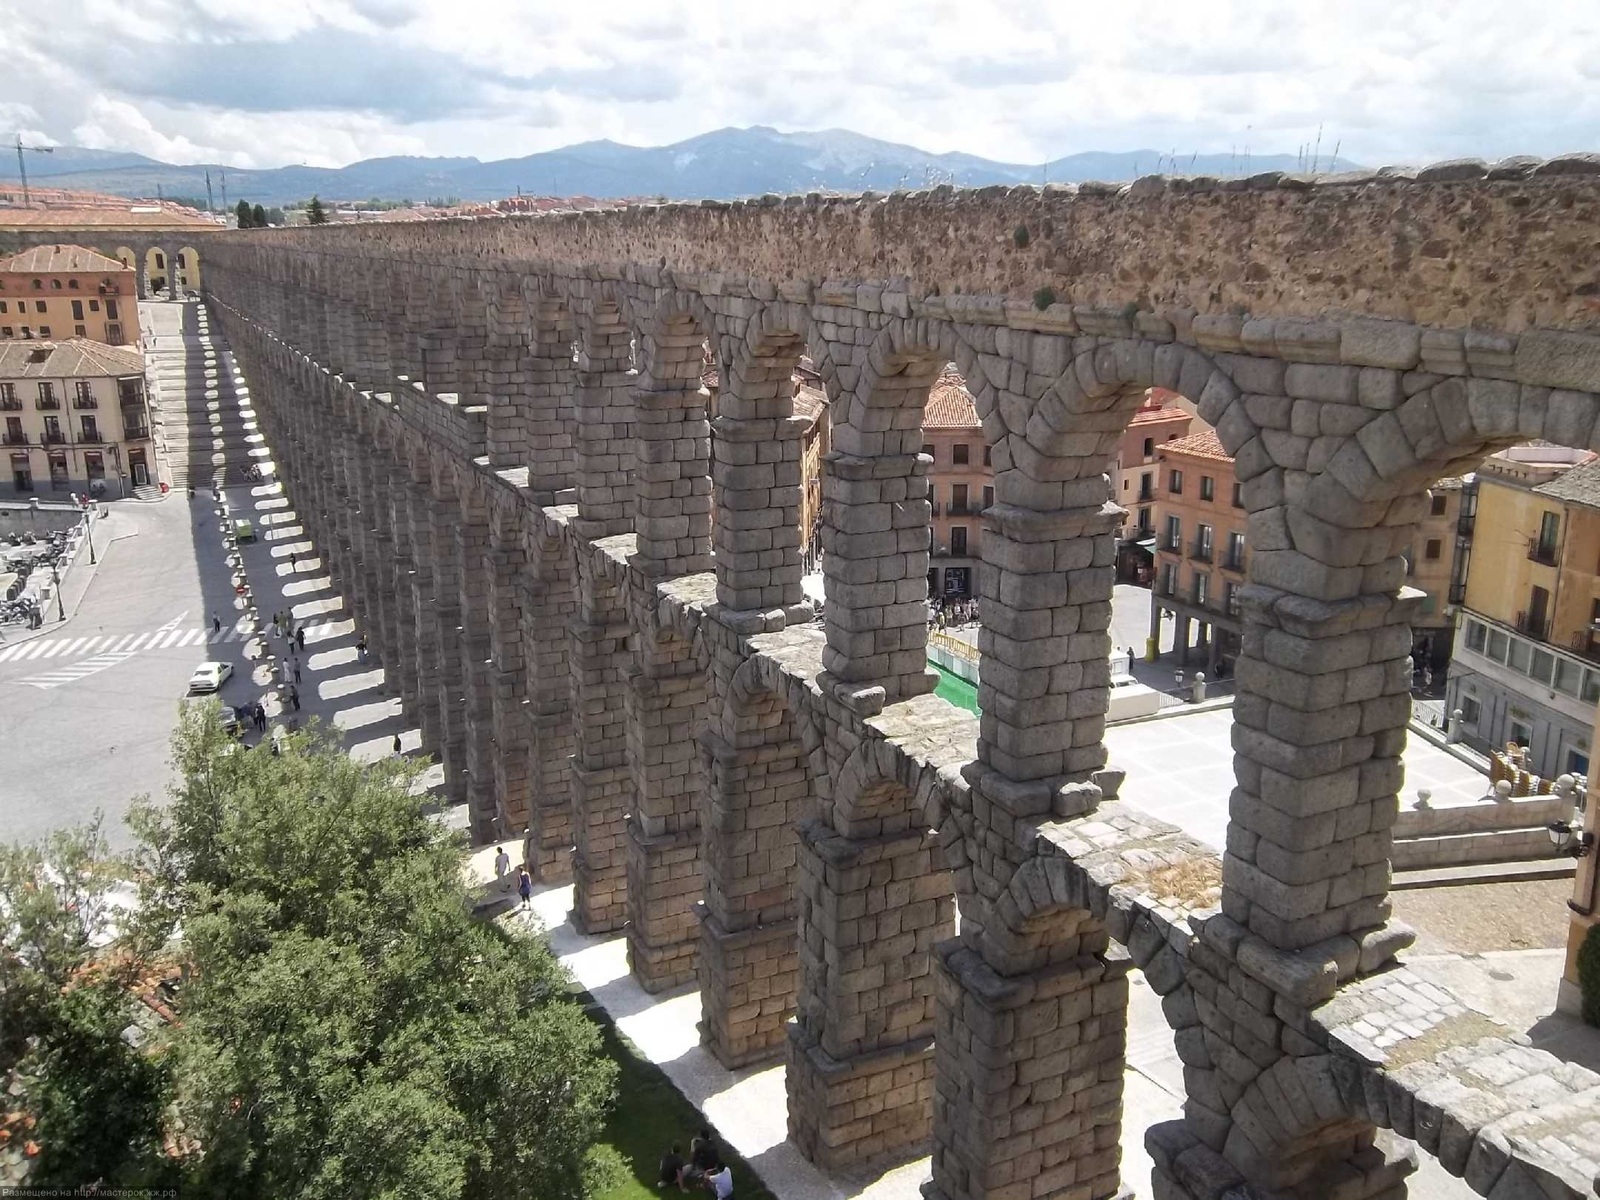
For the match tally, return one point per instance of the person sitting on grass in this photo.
(671, 1167)
(719, 1182)
(703, 1159)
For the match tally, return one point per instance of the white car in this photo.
(209, 676)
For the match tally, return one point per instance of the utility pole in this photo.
(224, 191)
(209, 207)
(22, 166)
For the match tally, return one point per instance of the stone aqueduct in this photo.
(588, 590)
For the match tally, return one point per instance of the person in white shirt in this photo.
(502, 867)
(720, 1182)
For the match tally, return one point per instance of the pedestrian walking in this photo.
(283, 673)
(261, 717)
(524, 886)
(397, 743)
(294, 698)
(216, 623)
(296, 662)
(361, 647)
(502, 864)
(293, 560)
(1130, 660)
(300, 638)
(274, 624)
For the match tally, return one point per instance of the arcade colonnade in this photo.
(588, 592)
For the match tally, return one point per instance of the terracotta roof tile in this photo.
(104, 218)
(810, 402)
(61, 258)
(950, 405)
(1146, 416)
(1197, 445)
(66, 360)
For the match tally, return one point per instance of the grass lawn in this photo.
(650, 1116)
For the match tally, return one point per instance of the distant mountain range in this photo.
(724, 164)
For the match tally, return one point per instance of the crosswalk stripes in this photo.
(65, 649)
(78, 670)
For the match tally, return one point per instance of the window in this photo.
(72, 286)
(986, 456)
(79, 331)
(38, 285)
(958, 539)
(1521, 733)
(1144, 521)
(1471, 710)
(1147, 486)
(8, 395)
(1149, 447)
(14, 434)
(1436, 504)
(1208, 488)
(1591, 687)
(1202, 588)
(1238, 496)
(1518, 654)
(77, 310)
(90, 431)
(1541, 666)
(1202, 543)
(1235, 559)
(2, 306)
(83, 393)
(5, 331)
(55, 284)
(161, 260)
(1496, 648)
(958, 454)
(927, 448)
(1577, 762)
(38, 306)
(1174, 534)
(58, 472)
(47, 395)
(94, 306)
(1169, 578)
(1432, 549)
(44, 331)
(1544, 549)
(1175, 482)
(1569, 677)
(52, 429)
(111, 310)
(1476, 632)
(958, 499)
(94, 465)
(988, 497)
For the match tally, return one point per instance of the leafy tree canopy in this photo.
(245, 214)
(316, 214)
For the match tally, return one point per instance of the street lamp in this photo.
(1568, 841)
(88, 532)
(55, 578)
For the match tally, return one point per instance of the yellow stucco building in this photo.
(1527, 656)
(65, 291)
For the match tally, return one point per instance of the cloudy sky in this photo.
(326, 82)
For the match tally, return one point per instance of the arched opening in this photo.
(187, 266)
(159, 266)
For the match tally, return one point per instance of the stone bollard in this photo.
(1198, 692)
(1453, 732)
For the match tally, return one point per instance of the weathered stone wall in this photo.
(835, 812)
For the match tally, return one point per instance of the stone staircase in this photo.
(202, 415)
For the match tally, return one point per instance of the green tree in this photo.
(258, 217)
(274, 216)
(349, 1030)
(244, 213)
(315, 213)
(97, 1101)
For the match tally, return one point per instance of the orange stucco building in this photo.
(961, 482)
(60, 292)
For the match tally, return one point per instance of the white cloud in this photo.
(229, 80)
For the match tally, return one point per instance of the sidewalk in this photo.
(105, 531)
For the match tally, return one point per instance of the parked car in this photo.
(230, 720)
(209, 676)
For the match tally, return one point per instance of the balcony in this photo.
(13, 439)
(130, 395)
(50, 405)
(1147, 495)
(10, 404)
(85, 402)
(54, 439)
(134, 433)
(1233, 562)
(960, 510)
(1201, 550)
(1171, 545)
(1165, 587)
(1543, 552)
(90, 437)
(1535, 625)
(1586, 645)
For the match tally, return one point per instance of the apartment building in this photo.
(1200, 555)
(75, 418)
(1135, 484)
(61, 292)
(1526, 661)
(961, 482)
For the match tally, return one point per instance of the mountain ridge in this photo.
(718, 164)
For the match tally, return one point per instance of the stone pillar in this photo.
(426, 629)
(1032, 1006)
(602, 787)
(672, 505)
(549, 605)
(748, 965)
(757, 476)
(605, 454)
(550, 406)
(666, 703)
(860, 1066)
(875, 535)
(402, 663)
(474, 562)
(508, 680)
(444, 611)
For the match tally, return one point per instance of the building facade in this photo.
(1526, 664)
(64, 291)
(76, 418)
(1200, 549)
(1135, 484)
(1436, 563)
(961, 486)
